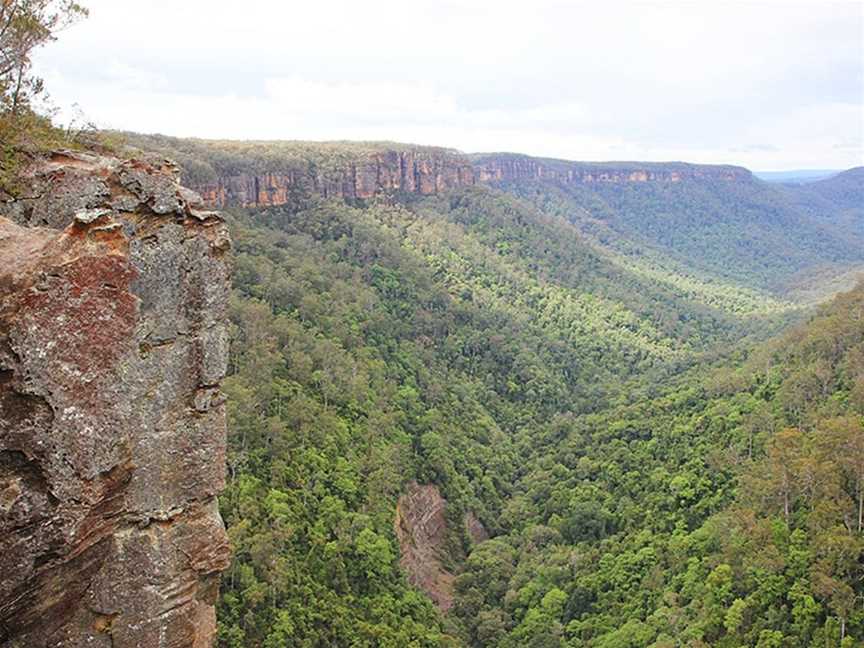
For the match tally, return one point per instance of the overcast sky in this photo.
(769, 85)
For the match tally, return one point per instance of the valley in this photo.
(584, 369)
(590, 360)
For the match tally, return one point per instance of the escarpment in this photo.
(288, 176)
(408, 171)
(113, 341)
(514, 168)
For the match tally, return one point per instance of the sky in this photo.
(769, 85)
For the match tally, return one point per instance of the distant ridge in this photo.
(270, 174)
(714, 222)
(797, 176)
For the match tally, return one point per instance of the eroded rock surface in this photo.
(421, 528)
(113, 340)
(408, 171)
(427, 172)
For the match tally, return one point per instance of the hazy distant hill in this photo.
(716, 222)
(845, 190)
(798, 176)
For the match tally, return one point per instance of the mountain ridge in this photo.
(682, 215)
(268, 173)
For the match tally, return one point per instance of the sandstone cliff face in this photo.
(427, 172)
(387, 172)
(113, 292)
(513, 168)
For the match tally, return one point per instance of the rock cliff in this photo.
(425, 172)
(113, 341)
(407, 171)
(514, 168)
(422, 531)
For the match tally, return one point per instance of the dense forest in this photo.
(655, 461)
(751, 233)
(647, 396)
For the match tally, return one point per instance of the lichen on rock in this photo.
(113, 340)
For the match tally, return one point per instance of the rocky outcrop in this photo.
(421, 528)
(409, 171)
(113, 341)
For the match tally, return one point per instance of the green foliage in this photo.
(26, 132)
(732, 529)
(757, 236)
(650, 477)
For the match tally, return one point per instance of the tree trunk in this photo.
(16, 95)
(860, 505)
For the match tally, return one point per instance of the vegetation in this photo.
(649, 476)
(588, 371)
(25, 130)
(721, 513)
(753, 234)
(24, 26)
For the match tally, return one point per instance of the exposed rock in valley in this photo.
(421, 528)
(113, 341)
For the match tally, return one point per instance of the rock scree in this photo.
(421, 528)
(113, 341)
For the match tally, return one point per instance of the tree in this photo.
(24, 26)
(759, 423)
(844, 440)
(734, 618)
(785, 453)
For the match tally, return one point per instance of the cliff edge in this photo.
(113, 341)
(261, 174)
(427, 172)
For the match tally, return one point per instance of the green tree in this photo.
(24, 26)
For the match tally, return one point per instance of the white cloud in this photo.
(382, 101)
(768, 85)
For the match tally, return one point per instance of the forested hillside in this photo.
(606, 396)
(724, 511)
(767, 237)
(701, 224)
